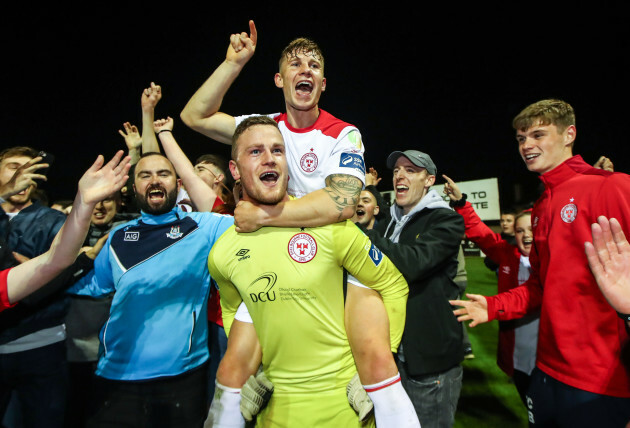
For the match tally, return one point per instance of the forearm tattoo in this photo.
(344, 190)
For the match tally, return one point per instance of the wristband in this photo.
(165, 130)
(2, 200)
(459, 203)
(625, 317)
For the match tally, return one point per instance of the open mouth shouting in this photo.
(401, 189)
(269, 178)
(156, 195)
(304, 87)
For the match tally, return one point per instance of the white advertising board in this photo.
(482, 194)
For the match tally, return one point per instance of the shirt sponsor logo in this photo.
(174, 233)
(131, 236)
(302, 248)
(352, 160)
(261, 289)
(569, 212)
(309, 162)
(375, 255)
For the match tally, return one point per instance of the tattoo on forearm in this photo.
(344, 190)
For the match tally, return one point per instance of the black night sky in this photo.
(446, 81)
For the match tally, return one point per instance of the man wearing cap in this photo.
(422, 239)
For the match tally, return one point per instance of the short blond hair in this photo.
(545, 112)
(301, 45)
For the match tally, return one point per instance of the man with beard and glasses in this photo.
(153, 356)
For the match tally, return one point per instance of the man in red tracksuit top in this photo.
(583, 364)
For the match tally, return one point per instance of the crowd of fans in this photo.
(176, 255)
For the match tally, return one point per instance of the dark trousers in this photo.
(80, 392)
(39, 378)
(177, 401)
(551, 403)
(521, 382)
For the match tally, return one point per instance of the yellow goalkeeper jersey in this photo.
(291, 280)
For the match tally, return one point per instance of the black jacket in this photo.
(30, 233)
(426, 255)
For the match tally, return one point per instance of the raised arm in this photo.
(335, 202)
(133, 141)
(149, 99)
(477, 231)
(98, 182)
(201, 113)
(200, 193)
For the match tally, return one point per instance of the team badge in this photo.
(309, 162)
(505, 270)
(569, 212)
(302, 248)
(174, 233)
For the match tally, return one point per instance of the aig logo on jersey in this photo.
(309, 162)
(569, 212)
(352, 160)
(131, 236)
(302, 248)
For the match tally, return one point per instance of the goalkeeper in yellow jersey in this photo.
(291, 281)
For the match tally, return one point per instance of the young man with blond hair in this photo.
(582, 376)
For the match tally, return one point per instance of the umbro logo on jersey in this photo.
(242, 254)
(131, 236)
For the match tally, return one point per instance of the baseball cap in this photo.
(416, 157)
